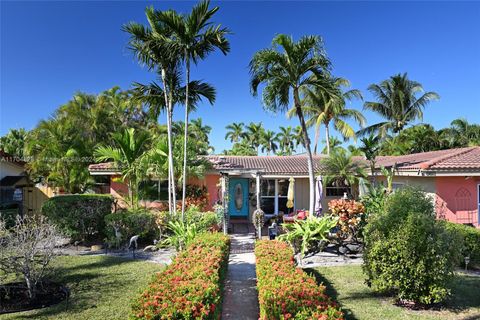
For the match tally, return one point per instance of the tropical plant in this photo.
(341, 170)
(285, 69)
(371, 148)
(242, 148)
(325, 106)
(127, 151)
(286, 140)
(302, 235)
(182, 234)
(235, 132)
(193, 37)
(333, 144)
(269, 142)
(13, 142)
(254, 133)
(397, 103)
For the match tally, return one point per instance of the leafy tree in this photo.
(285, 69)
(397, 103)
(340, 170)
(269, 142)
(14, 142)
(193, 37)
(329, 106)
(235, 132)
(242, 148)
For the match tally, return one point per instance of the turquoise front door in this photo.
(238, 197)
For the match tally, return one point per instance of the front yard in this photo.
(101, 288)
(346, 285)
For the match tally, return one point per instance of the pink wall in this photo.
(118, 188)
(211, 182)
(457, 199)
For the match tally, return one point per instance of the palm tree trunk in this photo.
(184, 185)
(327, 138)
(306, 143)
(169, 138)
(317, 135)
(170, 155)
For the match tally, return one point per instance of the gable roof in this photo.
(466, 159)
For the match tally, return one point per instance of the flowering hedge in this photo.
(190, 287)
(350, 214)
(287, 292)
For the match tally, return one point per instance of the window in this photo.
(274, 194)
(282, 185)
(153, 190)
(334, 191)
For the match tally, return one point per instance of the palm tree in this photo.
(235, 132)
(397, 103)
(371, 149)
(200, 131)
(286, 67)
(195, 37)
(253, 134)
(269, 142)
(14, 142)
(286, 140)
(329, 106)
(151, 49)
(127, 151)
(333, 144)
(340, 170)
(298, 136)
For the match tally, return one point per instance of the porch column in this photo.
(257, 185)
(224, 183)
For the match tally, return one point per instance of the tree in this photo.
(329, 106)
(254, 134)
(333, 144)
(371, 148)
(242, 148)
(285, 69)
(127, 150)
(269, 142)
(194, 37)
(298, 136)
(397, 103)
(340, 170)
(286, 140)
(235, 132)
(14, 142)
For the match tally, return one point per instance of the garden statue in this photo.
(133, 244)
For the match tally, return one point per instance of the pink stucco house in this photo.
(451, 177)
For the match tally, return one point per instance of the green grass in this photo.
(346, 285)
(101, 287)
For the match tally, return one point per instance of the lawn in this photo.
(346, 285)
(101, 288)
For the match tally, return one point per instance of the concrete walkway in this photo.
(240, 299)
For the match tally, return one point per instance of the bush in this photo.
(408, 252)
(286, 292)
(470, 242)
(130, 222)
(349, 213)
(190, 287)
(80, 217)
(205, 221)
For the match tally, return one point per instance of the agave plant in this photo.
(303, 234)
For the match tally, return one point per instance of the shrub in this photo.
(408, 252)
(80, 217)
(196, 196)
(182, 234)
(470, 242)
(286, 292)
(205, 221)
(27, 249)
(190, 287)
(130, 222)
(305, 234)
(349, 213)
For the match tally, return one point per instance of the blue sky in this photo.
(50, 50)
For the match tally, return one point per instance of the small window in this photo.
(153, 190)
(397, 186)
(334, 191)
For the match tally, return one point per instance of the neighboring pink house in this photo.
(451, 177)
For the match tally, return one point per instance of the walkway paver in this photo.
(240, 299)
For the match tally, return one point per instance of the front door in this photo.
(238, 197)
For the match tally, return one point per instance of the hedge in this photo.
(471, 242)
(190, 287)
(80, 217)
(287, 292)
(130, 222)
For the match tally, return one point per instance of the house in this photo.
(451, 176)
(17, 191)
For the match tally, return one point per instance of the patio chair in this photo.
(297, 215)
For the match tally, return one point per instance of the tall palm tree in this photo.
(195, 37)
(151, 49)
(127, 150)
(235, 132)
(285, 69)
(269, 142)
(286, 140)
(253, 134)
(298, 136)
(397, 103)
(199, 130)
(333, 144)
(371, 149)
(329, 106)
